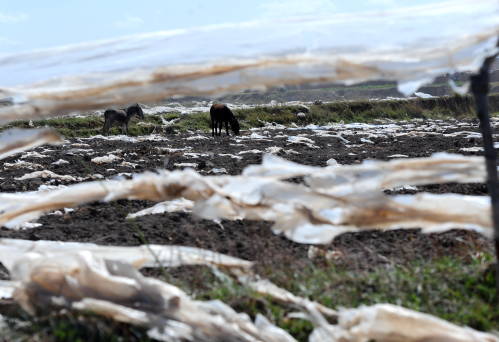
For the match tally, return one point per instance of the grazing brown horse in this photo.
(221, 114)
(121, 117)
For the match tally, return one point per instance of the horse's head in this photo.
(135, 110)
(234, 126)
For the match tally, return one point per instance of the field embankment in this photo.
(446, 107)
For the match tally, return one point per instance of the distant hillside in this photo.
(327, 92)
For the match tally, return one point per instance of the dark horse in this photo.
(121, 117)
(221, 114)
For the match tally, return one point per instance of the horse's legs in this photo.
(107, 125)
(220, 123)
(213, 127)
(227, 127)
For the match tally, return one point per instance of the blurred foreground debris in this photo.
(334, 199)
(49, 275)
(83, 281)
(17, 140)
(392, 323)
(296, 50)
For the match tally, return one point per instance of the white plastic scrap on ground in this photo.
(218, 171)
(128, 164)
(302, 141)
(177, 205)
(21, 164)
(33, 154)
(189, 165)
(150, 137)
(46, 174)
(105, 159)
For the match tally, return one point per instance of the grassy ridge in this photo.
(346, 111)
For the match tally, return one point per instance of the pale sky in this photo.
(32, 24)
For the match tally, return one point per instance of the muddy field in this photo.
(106, 223)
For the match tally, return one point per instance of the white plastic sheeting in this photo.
(337, 199)
(82, 281)
(14, 141)
(180, 204)
(6, 289)
(12, 250)
(411, 45)
(47, 174)
(373, 175)
(391, 323)
(104, 280)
